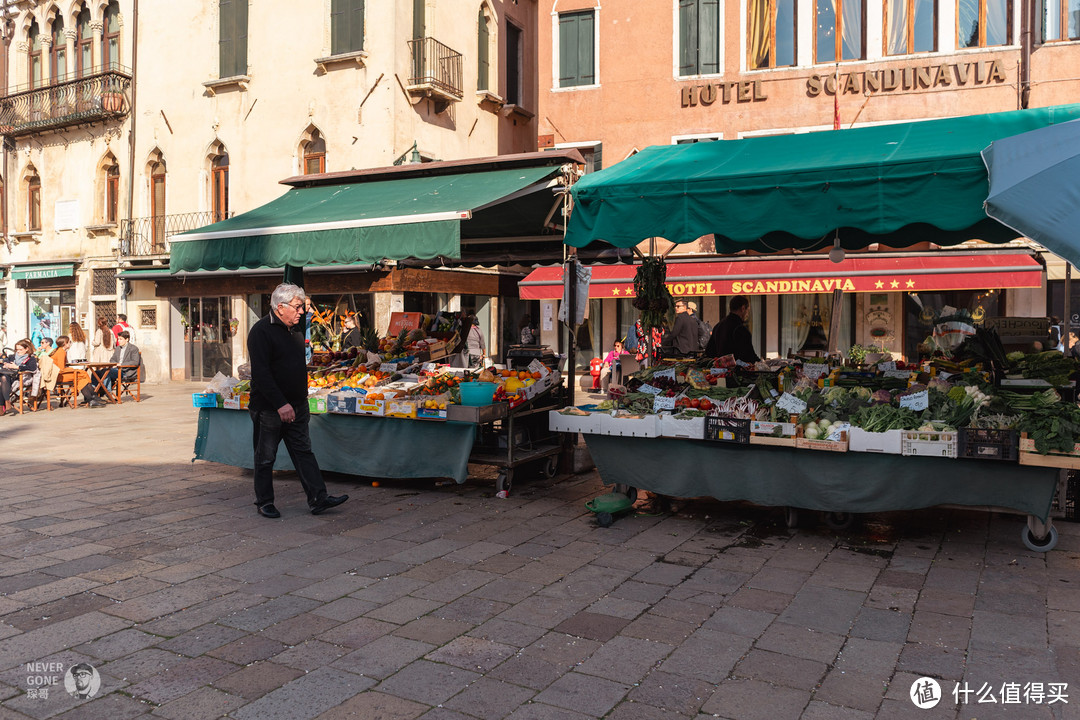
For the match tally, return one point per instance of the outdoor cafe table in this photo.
(97, 372)
(353, 444)
(846, 482)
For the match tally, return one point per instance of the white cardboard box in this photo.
(889, 442)
(591, 423)
(648, 426)
(671, 426)
(763, 427)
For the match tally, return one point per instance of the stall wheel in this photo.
(791, 517)
(504, 480)
(604, 519)
(550, 467)
(1047, 544)
(838, 520)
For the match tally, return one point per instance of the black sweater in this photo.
(732, 337)
(278, 365)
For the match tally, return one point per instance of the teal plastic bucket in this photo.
(477, 393)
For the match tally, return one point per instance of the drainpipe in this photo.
(1027, 23)
(131, 136)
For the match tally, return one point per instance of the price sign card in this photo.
(836, 430)
(668, 373)
(647, 388)
(887, 365)
(429, 367)
(916, 401)
(792, 404)
(945, 375)
(390, 367)
(897, 373)
(661, 402)
(537, 366)
(815, 370)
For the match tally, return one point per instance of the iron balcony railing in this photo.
(99, 96)
(140, 237)
(436, 69)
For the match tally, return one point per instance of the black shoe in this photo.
(328, 502)
(97, 403)
(268, 510)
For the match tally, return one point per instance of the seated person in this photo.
(22, 361)
(45, 347)
(611, 364)
(77, 377)
(126, 353)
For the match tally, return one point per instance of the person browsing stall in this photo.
(278, 405)
(683, 337)
(731, 336)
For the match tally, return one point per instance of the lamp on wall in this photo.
(836, 254)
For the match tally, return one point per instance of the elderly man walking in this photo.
(278, 407)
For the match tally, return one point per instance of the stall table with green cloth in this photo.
(826, 481)
(353, 444)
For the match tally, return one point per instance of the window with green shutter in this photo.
(699, 37)
(232, 37)
(346, 26)
(577, 61)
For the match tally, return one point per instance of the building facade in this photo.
(617, 78)
(231, 97)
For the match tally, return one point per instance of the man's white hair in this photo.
(286, 293)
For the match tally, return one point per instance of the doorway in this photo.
(208, 332)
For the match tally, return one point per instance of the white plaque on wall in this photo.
(66, 216)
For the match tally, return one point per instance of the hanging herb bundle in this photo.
(651, 295)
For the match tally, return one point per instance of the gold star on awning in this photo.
(894, 284)
(615, 291)
(910, 283)
(878, 285)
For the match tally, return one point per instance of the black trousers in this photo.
(267, 432)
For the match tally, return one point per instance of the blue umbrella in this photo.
(1035, 186)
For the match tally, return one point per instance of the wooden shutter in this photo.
(226, 36)
(240, 51)
(356, 25)
(586, 47)
(708, 36)
(482, 61)
(339, 26)
(688, 37)
(568, 50)
(418, 23)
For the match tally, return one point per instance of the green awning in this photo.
(894, 184)
(42, 272)
(391, 219)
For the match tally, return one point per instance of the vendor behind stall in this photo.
(731, 336)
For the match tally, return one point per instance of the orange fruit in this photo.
(522, 375)
(535, 376)
(505, 373)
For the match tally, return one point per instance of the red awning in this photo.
(922, 273)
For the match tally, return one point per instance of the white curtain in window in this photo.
(1073, 19)
(795, 312)
(997, 22)
(896, 19)
(852, 27)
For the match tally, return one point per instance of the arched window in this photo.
(219, 184)
(111, 45)
(112, 191)
(58, 51)
(483, 62)
(84, 43)
(157, 201)
(34, 41)
(315, 154)
(33, 200)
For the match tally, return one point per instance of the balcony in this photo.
(435, 72)
(102, 95)
(149, 236)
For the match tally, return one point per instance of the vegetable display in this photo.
(651, 295)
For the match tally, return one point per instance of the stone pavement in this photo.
(442, 602)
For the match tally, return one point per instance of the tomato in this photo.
(705, 404)
(695, 403)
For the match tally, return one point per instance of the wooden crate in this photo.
(840, 445)
(772, 440)
(1028, 456)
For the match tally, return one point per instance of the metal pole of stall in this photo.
(1066, 319)
(570, 277)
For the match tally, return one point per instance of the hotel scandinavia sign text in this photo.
(765, 287)
(899, 79)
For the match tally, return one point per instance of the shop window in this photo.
(699, 37)
(232, 37)
(805, 321)
(840, 30)
(33, 202)
(1060, 19)
(315, 154)
(771, 33)
(84, 43)
(577, 43)
(910, 26)
(58, 51)
(346, 26)
(922, 311)
(983, 23)
(111, 44)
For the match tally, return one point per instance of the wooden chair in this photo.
(125, 386)
(27, 399)
(66, 394)
(628, 365)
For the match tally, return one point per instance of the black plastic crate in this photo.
(988, 444)
(1071, 504)
(727, 429)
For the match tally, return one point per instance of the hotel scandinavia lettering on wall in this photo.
(898, 79)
